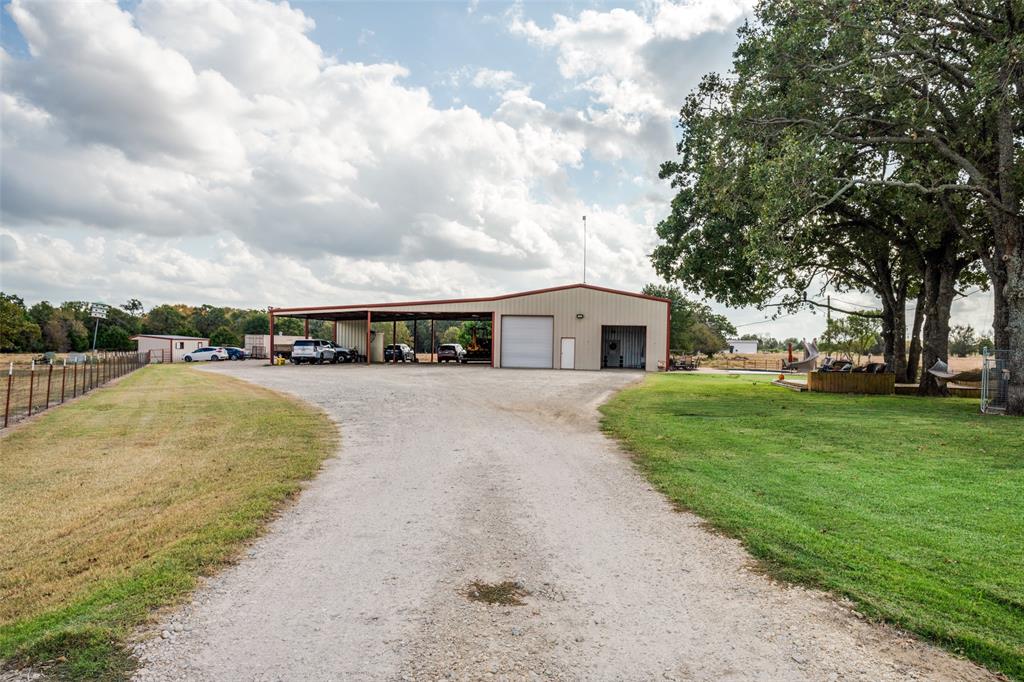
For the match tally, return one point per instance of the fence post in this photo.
(49, 380)
(7, 403)
(63, 380)
(31, 385)
(74, 380)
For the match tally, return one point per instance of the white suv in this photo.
(200, 354)
(313, 350)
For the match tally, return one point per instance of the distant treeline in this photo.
(69, 327)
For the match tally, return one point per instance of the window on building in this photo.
(181, 345)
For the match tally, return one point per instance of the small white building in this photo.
(168, 347)
(742, 346)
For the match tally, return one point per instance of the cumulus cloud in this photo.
(494, 80)
(182, 145)
(635, 65)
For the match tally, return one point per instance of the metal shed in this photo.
(168, 347)
(577, 326)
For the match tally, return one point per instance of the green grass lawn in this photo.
(113, 505)
(914, 508)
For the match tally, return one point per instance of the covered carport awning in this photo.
(370, 315)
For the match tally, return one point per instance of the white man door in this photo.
(568, 353)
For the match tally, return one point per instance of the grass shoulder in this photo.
(116, 504)
(911, 507)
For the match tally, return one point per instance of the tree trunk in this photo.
(888, 333)
(1000, 312)
(899, 362)
(914, 353)
(940, 287)
(1009, 243)
(1009, 335)
(899, 323)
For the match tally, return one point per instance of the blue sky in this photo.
(250, 153)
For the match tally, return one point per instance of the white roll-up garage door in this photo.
(527, 341)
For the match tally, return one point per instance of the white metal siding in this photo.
(527, 341)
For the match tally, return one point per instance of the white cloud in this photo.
(154, 155)
(494, 80)
(207, 118)
(635, 66)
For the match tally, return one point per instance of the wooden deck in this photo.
(867, 384)
(851, 382)
(791, 384)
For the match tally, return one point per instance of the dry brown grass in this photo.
(771, 360)
(169, 467)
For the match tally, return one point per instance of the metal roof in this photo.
(354, 311)
(171, 337)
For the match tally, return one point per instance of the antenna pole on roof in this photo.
(584, 249)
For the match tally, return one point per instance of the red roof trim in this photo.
(502, 297)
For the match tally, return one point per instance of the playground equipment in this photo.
(808, 363)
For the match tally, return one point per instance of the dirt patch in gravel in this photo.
(505, 593)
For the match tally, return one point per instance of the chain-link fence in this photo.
(36, 386)
(995, 380)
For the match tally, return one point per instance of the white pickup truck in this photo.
(314, 350)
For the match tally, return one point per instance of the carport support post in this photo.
(394, 341)
(270, 345)
(492, 340)
(368, 323)
(415, 326)
(306, 327)
(432, 341)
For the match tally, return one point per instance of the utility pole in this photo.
(584, 249)
(828, 318)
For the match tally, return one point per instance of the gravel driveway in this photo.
(447, 475)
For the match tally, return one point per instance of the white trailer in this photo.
(258, 345)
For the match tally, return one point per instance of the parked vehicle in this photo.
(236, 353)
(343, 354)
(313, 350)
(449, 352)
(399, 352)
(208, 353)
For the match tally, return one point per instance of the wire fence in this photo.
(995, 380)
(39, 385)
(763, 363)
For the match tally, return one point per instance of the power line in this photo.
(857, 305)
(774, 319)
